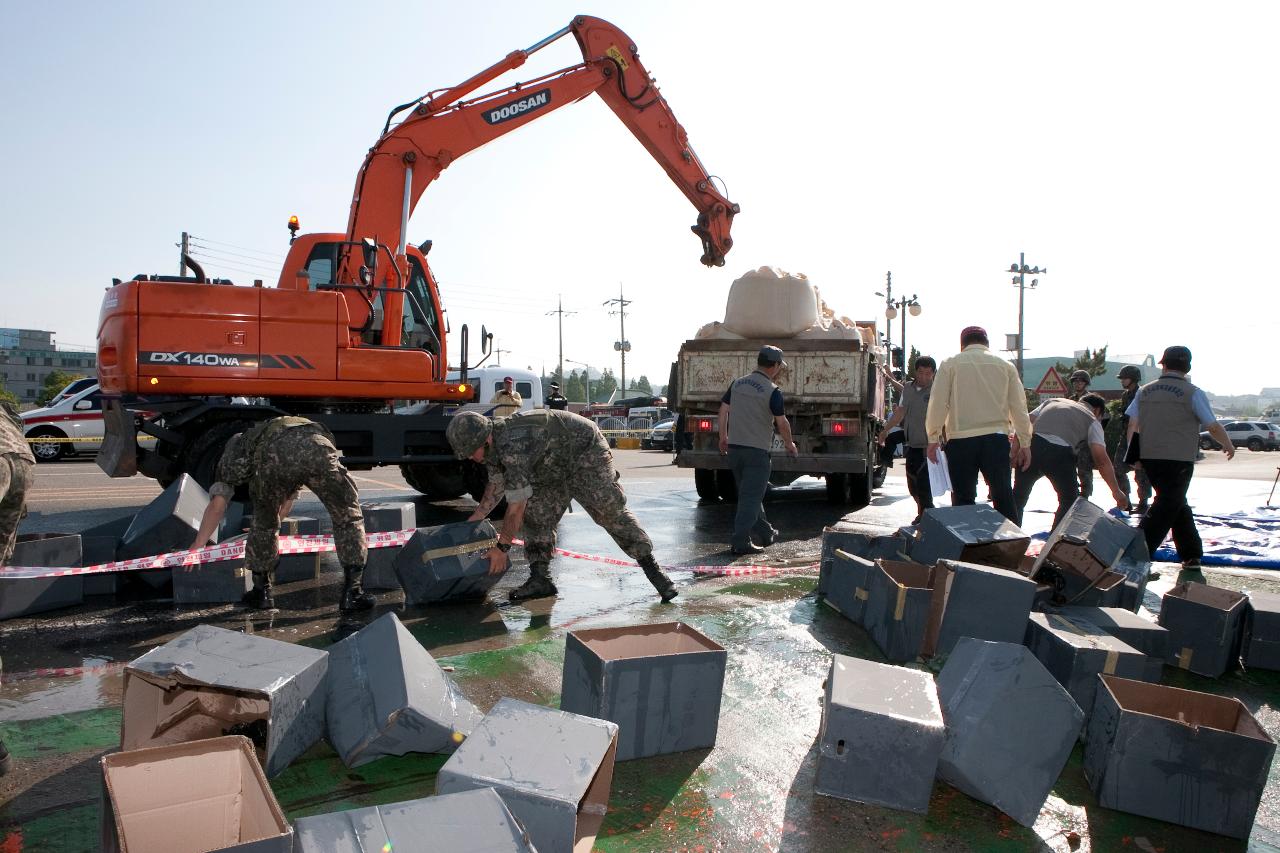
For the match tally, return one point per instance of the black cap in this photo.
(555, 386)
(769, 356)
(1176, 358)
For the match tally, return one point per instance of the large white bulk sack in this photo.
(768, 303)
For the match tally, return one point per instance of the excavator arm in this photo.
(442, 126)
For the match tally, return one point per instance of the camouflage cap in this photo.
(234, 467)
(467, 432)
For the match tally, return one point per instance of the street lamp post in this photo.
(1020, 270)
(904, 306)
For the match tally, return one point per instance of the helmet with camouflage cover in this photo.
(234, 467)
(467, 433)
(1130, 371)
(1081, 376)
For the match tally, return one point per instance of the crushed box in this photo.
(447, 562)
(222, 581)
(661, 683)
(882, 733)
(1077, 651)
(1188, 758)
(1010, 726)
(475, 821)
(553, 769)
(1261, 643)
(27, 596)
(848, 585)
(1206, 627)
(388, 696)
(898, 607)
(1089, 555)
(1144, 635)
(210, 681)
(206, 796)
(972, 534)
(982, 602)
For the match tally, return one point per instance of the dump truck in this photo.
(832, 388)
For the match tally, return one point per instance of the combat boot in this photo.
(658, 578)
(538, 585)
(6, 763)
(353, 595)
(260, 596)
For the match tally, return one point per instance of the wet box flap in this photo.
(1181, 756)
(1206, 627)
(970, 600)
(210, 681)
(475, 821)
(1010, 726)
(1077, 651)
(447, 562)
(661, 683)
(848, 585)
(207, 795)
(974, 534)
(552, 768)
(388, 696)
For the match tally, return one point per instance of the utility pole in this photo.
(888, 328)
(1020, 269)
(185, 245)
(623, 345)
(560, 321)
(497, 352)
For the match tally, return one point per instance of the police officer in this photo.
(556, 400)
(540, 460)
(1080, 381)
(16, 462)
(1167, 416)
(1130, 377)
(276, 458)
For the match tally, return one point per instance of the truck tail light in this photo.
(704, 423)
(839, 427)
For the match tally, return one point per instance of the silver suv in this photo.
(1255, 435)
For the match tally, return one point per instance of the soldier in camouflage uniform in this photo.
(541, 460)
(277, 458)
(15, 478)
(1080, 380)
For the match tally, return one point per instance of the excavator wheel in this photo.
(201, 458)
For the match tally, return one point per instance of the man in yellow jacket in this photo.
(978, 400)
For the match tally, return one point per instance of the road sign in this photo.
(1051, 385)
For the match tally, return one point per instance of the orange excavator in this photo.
(355, 321)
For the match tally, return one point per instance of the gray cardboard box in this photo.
(661, 683)
(1076, 652)
(210, 681)
(298, 567)
(1086, 545)
(862, 545)
(234, 521)
(447, 563)
(897, 612)
(1261, 644)
(972, 534)
(553, 769)
(1010, 726)
(98, 546)
(389, 516)
(1107, 591)
(1206, 627)
(982, 602)
(1189, 758)
(211, 794)
(466, 822)
(168, 523)
(28, 596)
(1144, 635)
(882, 733)
(214, 582)
(388, 696)
(848, 585)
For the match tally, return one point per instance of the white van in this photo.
(489, 382)
(75, 413)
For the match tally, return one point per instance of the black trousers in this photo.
(987, 455)
(1170, 480)
(917, 464)
(1050, 460)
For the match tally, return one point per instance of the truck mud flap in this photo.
(118, 455)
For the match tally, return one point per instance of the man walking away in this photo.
(1166, 416)
(1059, 428)
(750, 410)
(911, 414)
(978, 398)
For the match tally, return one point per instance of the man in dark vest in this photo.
(755, 403)
(1166, 417)
(556, 400)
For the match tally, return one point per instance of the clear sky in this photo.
(1130, 148)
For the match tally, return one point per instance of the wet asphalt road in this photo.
(752, 792)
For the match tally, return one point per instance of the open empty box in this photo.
(388, 696)
(210, 681)
(27, 596)
(1177, 755)
(898, 607)
(972, 534)
(1206, 627)
(447, 562)
(553, 769)
(864, 545)
(466, 822)
(882, 733)
(982, 602)
(660, 683)
(207, 796)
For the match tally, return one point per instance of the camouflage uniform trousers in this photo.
(1140, 480)
(15, 478)
(593, 483)
(302, 456)
(1084, 469)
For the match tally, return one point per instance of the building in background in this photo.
(28, 356)
(1034, 369)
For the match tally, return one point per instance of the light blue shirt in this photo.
(1199, 405)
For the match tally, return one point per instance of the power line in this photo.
(195, 241)
(271, 255)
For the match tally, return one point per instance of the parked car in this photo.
(1255, 435)
(661, 437)
(72, 422)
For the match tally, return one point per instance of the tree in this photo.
(605, 385)
(55, 382)
(911, 362)
(574, 388)
(8, 396)
(1094, 362)
(642, 385)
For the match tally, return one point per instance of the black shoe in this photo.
(538, 585)
(353, 595)
(260, 597)
(770, 537)
(750, 548)
(6, 763)
(1153, 575)
(666, 589)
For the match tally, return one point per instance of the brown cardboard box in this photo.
(206, 796)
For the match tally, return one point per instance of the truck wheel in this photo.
(859, 490)
(439, 482)
(837, 488)
(704, 480)
(48, 451)
(878, 480)
(201, 458)
(726, 485)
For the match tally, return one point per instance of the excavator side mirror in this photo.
(366, 276)
(486, 340)
(424, 247)
(370, 250)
